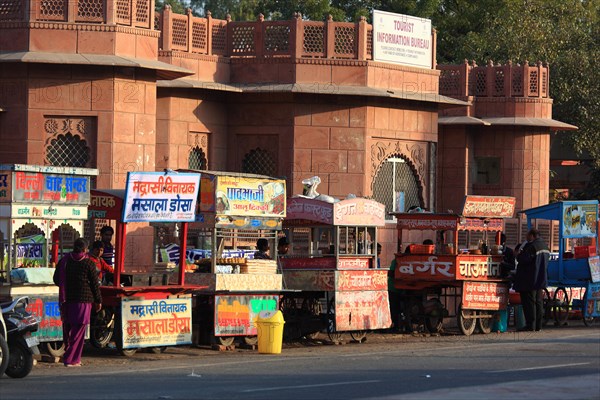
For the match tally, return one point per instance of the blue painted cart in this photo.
(573, 266)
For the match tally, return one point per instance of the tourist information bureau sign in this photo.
(402, 39)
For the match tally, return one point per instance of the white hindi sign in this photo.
(402, 39)
(156, 197)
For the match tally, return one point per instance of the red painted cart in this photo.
(333, 267)
(145, 311)
(467, 279)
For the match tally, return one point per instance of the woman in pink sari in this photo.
(77, 280)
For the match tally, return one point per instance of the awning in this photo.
(314, 88)
(522, 121)
(461, 120)
(163, 70)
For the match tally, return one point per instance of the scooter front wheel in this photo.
(3, 355)
(20, 360)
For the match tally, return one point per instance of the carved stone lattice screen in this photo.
(242, 40)
(314, 36)
(277, 38)
(219, 38)
(259, 161)
(90, 11)
(345, 43)
(53, 10)
(124, 11)
(11, 10)
(67, 141)
(449, 81)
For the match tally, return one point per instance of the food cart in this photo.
(234, 210)
(576, 265)
(42, 211)
(333, 267)
(148, 312)
(441, 276)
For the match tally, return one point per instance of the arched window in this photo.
(259, 161)
(68, 151)
(197, 159)
(67, 141)
(397, 179)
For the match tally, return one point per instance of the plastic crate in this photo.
(585, 251)
(422, 249)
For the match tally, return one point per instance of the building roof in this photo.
(461, 120)
(511, 121)
(163, 70)
(314, 88)
(523, 121)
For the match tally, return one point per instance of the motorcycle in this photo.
(21, 344)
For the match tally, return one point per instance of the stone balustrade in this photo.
(509, 80)
(133, 13)
(295, 38)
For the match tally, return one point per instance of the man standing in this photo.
(108, 255)
(531, 278)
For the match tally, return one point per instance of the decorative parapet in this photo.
(134, 13)
(295, 38)
(494, 80)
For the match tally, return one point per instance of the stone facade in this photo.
(148, 92)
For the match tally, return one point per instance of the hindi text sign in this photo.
(160, 197)
(157, 322)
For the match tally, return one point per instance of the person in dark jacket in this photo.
(78, 290)
(263, 250)
(531, 278)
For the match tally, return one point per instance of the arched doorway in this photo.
(397, 184)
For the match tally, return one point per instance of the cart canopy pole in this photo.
(183, 249)
(120, 250)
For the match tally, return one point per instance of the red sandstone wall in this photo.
(183, 119)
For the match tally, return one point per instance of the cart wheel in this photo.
(101, 329)
(588, 321)
(466, 321)
(434, 322)
(547, 308)
(288, 306)
(119, 339)
(359, 336)
(55, 349)
(311, 306)
(484, 324)
(158, 350)
(415, 315)
(334, 336)
(561, 306)
(251, 340)
(226, 340)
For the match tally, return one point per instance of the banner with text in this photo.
(155, 323)
(160, 197)
(402, 39)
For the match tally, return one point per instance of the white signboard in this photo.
(402, 39)
(160, 197)
(156, 323)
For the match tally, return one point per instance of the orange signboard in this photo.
(484, 296)
(489, 206)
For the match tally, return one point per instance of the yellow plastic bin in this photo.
(270, 331)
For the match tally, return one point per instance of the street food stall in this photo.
(577, 264)
(441, 275)
(234, 210)
(333, 268)
(42, 212)
(146, 311)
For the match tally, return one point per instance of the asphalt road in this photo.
(558, 363)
